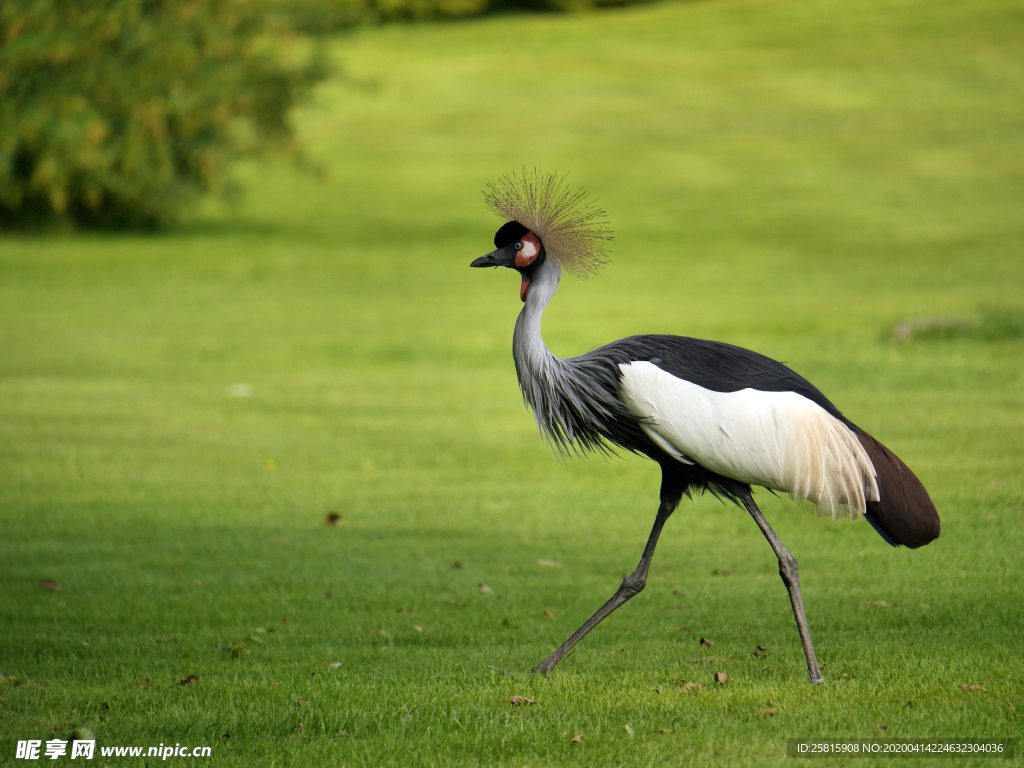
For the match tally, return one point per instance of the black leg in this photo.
(790, 577)
(631, 585)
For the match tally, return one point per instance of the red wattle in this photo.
(524, 288)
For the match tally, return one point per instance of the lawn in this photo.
(794, 176)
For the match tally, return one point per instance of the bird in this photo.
(715, 417)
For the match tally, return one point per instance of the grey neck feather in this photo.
(575, 400)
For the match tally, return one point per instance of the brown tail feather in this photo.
(904, 511)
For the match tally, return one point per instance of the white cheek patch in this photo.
(529, 250)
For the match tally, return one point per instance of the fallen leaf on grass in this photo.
(225, 735)
(721, 678)
(517, 700)
(399, 610)
(301, 703)
(549, 564)
(335, 665)
(661, 730)
(146, 683)
(333, 520)
(189, 680)
(50, 585)
(549, 614)
(877, 604)
(83, 734)
(684, 629)
(678, 593)
(576, 739)
(10, 680)
(300, 728)
(723, 572)
(981, 688)
(766, 711)
(417, 627)
(456, 566)
(845, 676)
(484, 588)
(706, 642)
(690, 687)
(629, 730)
(882, 729)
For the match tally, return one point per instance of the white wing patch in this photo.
(779, 440)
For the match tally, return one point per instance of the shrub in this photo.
(115, 112)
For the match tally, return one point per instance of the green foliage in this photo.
(325, 16)
(113, 113)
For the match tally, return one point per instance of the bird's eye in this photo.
(519, 246)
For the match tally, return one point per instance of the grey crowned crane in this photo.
(715, 417)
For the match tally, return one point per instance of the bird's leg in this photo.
(790, 577)
(631, 585)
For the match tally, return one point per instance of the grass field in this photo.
(795, 176)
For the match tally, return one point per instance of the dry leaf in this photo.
(456, 566)
(301, 703)
(629, 730)
(723, 572)
(485, 589)
(225, 735)
(399, 610)
(707, 643)
(517, 700)
(845, 676)
(188, 680)
(10, 680)
(335, 665)
(661, 730)
(981, 688)
(576, 739)
(549, 564)
(417, 627)
(549, 614)
(50, 585)
(876, 604)
(678, 592)
(690, 687)
(146, 682)
(882, 729)
(721, 678)
(759, 651)
(685, 629)
(766, 711)
(333, 520)
(301, 728)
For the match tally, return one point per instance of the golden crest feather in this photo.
(571, 227)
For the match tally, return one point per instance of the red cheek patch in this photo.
(530, 250)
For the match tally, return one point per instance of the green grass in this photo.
(796, 176)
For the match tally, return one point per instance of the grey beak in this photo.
(503, 257)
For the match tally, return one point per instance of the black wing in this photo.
(716, 366)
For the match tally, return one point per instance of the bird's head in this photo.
(517, 248)
(548, 227)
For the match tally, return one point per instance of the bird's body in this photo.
(714, 416)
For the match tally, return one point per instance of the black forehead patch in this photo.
(509, 233)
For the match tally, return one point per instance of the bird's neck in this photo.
(533, 359)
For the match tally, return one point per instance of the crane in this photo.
(715, 417)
